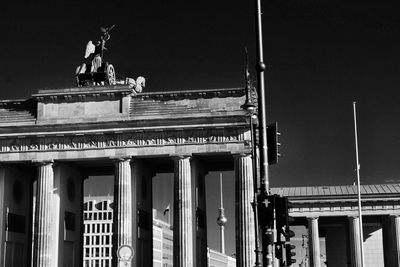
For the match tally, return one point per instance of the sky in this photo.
(321, 56)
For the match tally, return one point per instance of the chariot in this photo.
(98, 71)
(105, 75)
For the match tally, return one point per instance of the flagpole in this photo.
(358, 189)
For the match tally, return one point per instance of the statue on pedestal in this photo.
(96, 71)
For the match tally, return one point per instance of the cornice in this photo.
(193, 94)
(80, 93)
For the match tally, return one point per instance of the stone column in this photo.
(183, 213)
(44, 241)
(244, 192)
(313, 242)
(395, 227)
(355, 248)
(123, 203)
(391, 239)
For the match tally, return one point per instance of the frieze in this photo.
(114, 140)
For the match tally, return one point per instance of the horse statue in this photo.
(138, 85)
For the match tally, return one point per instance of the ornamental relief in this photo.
(137, 139)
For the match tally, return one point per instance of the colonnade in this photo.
(190, 241)
(391, 241)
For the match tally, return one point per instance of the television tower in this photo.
(221, 220)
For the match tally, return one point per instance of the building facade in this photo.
(66, 135)
(327, 226)
(97, 237)
(163, 242)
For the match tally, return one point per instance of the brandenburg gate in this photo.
(51, 142)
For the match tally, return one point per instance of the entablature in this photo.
(376, 205)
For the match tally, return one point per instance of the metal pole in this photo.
(255, 185)
(222, 234)
(264, 179)
(262, 118)
(358, 189)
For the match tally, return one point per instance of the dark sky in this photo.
(321, 56)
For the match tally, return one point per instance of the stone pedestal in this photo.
(44, 242)
(355, 246)
(183, 213)
(313, 242)
(244, 192)
(123, 203)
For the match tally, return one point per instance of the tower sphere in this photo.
(222, 220)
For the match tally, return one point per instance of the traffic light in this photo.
(283, 222)
(290, 254)
(281, 215)
(289, 234)
(266, 210)
(273, 143)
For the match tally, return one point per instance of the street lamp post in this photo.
(266, 230)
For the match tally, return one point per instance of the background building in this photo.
(97, 240)
(97, 246)
(162, 241)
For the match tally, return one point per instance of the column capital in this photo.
(394, 215)
(38, 162)
(241, 154)
(120, 158)
(180, 156)
(352, 217)
(312, 218)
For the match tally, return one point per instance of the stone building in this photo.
(58, 137)
(329, 216)
(52, 141)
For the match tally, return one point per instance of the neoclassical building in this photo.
(330, 216)
(51, 142)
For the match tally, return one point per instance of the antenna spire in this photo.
(221, 220)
